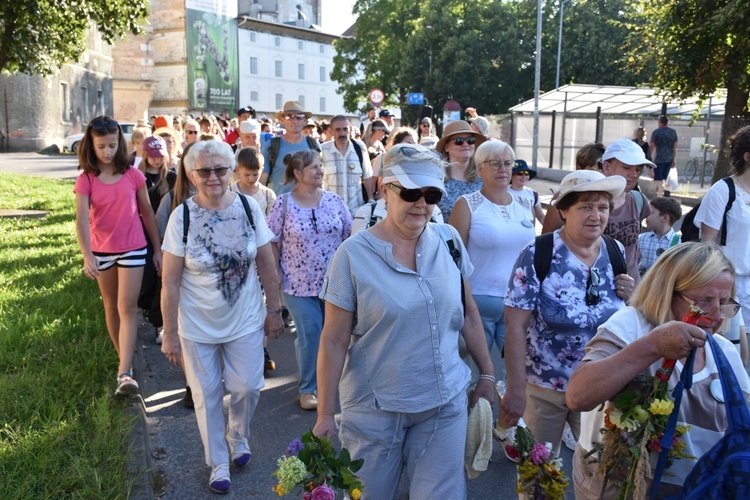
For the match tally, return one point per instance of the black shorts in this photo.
(661, 172)
(135, 258)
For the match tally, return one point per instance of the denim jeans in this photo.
(492, 312)
(307, 313)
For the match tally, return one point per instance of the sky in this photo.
(337, 16)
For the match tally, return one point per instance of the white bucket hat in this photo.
(582, 181)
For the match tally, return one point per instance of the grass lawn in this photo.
(62, 433)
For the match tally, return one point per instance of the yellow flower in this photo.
(661, 407)
(355, 494)
(278, 489)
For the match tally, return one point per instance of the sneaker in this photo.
(219, 481)
(506, 438)
(159, 335)
(188, 401)
(569, 439)
(269, 365)
(308, 401)
(241, 453)
(126, 386)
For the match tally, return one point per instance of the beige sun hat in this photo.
(582, 181)
(455, 128)
(292, 108)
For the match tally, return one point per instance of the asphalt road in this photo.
(62, 166)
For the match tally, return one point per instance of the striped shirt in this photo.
(706, 416)
(403, 355)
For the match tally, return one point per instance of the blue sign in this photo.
(415, 98)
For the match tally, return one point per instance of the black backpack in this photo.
(275, 145)
(692, 233)
(543, 255)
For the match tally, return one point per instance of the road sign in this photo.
(416, 98)
(377, 97)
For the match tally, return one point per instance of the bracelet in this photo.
(491, 378)
(274, 311)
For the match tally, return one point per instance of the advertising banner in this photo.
(213, 67)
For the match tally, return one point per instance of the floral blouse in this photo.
(310, 238)
(455, 189)
(561, 323)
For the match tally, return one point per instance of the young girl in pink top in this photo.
(109, 195)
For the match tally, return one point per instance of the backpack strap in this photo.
(373, 218)
(447, 237)
(246, 206)
(543, 248)
(640, 202)
(312, 143)
(536, 199)
(273, 151)
(730, 201)
(186, 216)
(357, 150)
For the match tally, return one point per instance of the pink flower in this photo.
(538, 454)
(323, 492)
(307, 496)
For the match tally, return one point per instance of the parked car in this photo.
(73, 141)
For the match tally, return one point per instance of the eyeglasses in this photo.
(460, 140)
(495, 165)
(295, 117)
(592, 293)
(101, 123)
(707, 307)
(431, 195)
(205, 173)
(191, 132)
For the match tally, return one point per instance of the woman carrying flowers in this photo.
(631, 344)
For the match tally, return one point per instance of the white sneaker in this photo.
(569, 439)
(159, 335)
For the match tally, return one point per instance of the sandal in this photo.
(126, 385)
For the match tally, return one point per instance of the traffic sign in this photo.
(377, 97)
(416, 98)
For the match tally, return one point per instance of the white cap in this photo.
(628, 152)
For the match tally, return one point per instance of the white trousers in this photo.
(243, 378)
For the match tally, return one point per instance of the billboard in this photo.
(212, 59)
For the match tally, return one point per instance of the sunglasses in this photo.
(460, 140)
(592, 293)
(295, 117)
(191, 132)
(205, 173)
(101, 123)
(432, 196)
(523, 172)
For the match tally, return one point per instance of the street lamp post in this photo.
(559, 43)
(429, 28)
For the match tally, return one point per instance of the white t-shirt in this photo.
(220, 295)
(526, 197)
(711, 213)
(706, 416)
(497, 235)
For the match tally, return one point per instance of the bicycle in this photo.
(693, 170)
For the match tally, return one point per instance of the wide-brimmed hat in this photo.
(414, 174)
(155, 146)
(628, 152)
(522, 166)
(455, 128)
(172, 132)
(582, 181)
(292, 108)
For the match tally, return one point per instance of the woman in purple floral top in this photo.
(549, 323)
(308, 224)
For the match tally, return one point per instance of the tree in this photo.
(39, 36)
(696, 47)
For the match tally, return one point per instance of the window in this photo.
(301, 71)
(279, 101)
(278, 69)
(300, 45)
(252, 36)
(301, 100)
(100, 101)
(253, 65)
(65, 100)
(322, 104)
(322, 49)
(254, 95)
(277, 41)
(322, 73)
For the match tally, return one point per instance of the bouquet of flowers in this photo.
(539, 475)
(634, 425)
(311, 462)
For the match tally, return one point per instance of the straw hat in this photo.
(582, 181)
(455, 128)
(292, 108)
